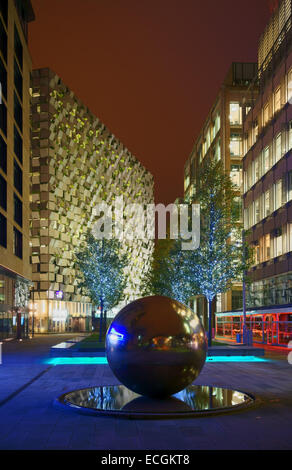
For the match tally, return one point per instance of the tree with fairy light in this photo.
(219, 259)
(169, 273)
(102, 264)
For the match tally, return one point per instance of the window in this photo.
(17, 79)
(3, 231)
(235, 145)
(257, 172)
(3, 154)
(289, 184)
(235, 115)
(255, 131)
(17, 177)
(290, 136)
(3, 118)
(17, 112)
(250, 215)
(218, 150)
(236, 299)
(236, 175)
(208, 138)
(3, 41)
(18, 47)
(277, 100)
(289, 97)
(278, 194)
(187, 181)
(266, 159)
(267, 247)
(17, 144)
(3, 193)
(278, 147)
(278, 248)
(249, 176)
(217, 123)
(266, 115)
(17, 210)
(267, 199)
(3, 81)
(17, 242)
(238, 208)
(4, 10)
(257, 213)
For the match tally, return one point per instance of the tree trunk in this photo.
(105, 321)
(101, 320)
(210, 323)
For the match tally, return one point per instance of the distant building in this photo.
(15, 69)
(76, 163)
(221, 138)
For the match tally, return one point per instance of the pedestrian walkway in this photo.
(28, 419)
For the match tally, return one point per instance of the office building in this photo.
(15, 70)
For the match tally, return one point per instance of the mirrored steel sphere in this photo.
(156, 346)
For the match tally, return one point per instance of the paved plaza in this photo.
(28, 419)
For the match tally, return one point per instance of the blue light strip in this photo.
(58, 361)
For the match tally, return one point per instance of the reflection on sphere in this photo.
(156, 346)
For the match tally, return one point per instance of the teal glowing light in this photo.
(235, 359)
(60, 361)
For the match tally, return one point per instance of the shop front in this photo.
(58, 316)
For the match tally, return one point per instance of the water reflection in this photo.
(191, 399)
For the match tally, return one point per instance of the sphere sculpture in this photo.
(156, 346)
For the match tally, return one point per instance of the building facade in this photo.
(76, 163)
(221, 139)
(15, 70)
(267, 198)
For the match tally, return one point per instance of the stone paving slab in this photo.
(30, 421)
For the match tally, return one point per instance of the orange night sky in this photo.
(149, 69)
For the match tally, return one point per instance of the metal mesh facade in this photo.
(76, 163)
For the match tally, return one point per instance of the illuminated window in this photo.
(266, 114)
(278, 194)
(267, 199)
(257, 213)
(289, 188)
(235, 145)
(255, 131)
(289, 97)
(277, 99)
(236, 175)
(250, 215)
(257, 168)
(235, 115)
(187, 181)
(278, 147)
(217, 123)
(266, 159)
(278, 244)
(267, 247)
(218, 150)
